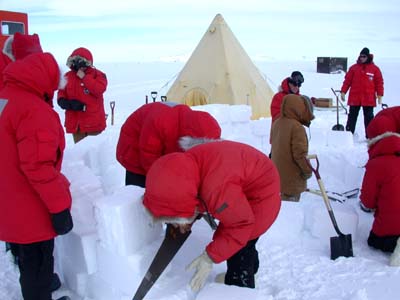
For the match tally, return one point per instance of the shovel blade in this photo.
(341, 245)
(338, 127)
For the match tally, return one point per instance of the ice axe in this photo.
(341, 245)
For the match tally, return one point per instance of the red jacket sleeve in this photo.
(96, 82)
(378, 81)
(236, 223)
(348, 79)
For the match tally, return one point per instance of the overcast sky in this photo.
(117, 30)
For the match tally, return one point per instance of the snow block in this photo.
(320, 225)
(317, 137)
(218, 111)
(290, 217)
(123, 224)
(261, 127)
(124, 273)
(240, 113)
(231, 292)
(79, 249)
(98, 289)
(342, 139)
(85, 189)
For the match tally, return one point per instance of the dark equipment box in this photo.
(331, 64)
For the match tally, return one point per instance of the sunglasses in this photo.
(363, 56)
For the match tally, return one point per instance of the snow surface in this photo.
(113, 241)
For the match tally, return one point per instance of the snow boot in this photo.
(395, 257)
(55, 283)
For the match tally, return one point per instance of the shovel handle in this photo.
(323, 191)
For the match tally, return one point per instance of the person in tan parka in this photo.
(290, 145)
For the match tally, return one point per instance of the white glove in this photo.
(343, 97)
(395, 257)
(202, 266)
(379, 99)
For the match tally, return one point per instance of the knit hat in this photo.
(296, 78)
(365, 51)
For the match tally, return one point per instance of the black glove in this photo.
(62, 222)
(71, 104)
(77, 105)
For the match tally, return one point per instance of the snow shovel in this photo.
(337, 126)
(341, 245)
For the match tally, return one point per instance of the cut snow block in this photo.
(291, 219)
(343, 139)
(261, 127)
(79, 249)
(124, 273)
(317, 137)
(241, 129)
(240, 113)
(99, 289)
(85, 189)
(320, 225)
(218, 111)
(123, 225)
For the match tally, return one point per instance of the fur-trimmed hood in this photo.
(188, 142)
(387, 143)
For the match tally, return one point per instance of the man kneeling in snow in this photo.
(381, 183)
(236, 184)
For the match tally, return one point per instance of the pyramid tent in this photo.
(220, 71)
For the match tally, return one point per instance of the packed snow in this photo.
(113, 240)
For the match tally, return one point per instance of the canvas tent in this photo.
(220, 71)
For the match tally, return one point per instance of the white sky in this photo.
(150, 30)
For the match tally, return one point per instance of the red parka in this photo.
(365, 82)
(32, 144)
(234, 182)
(276, 101)
(381, 184)
(128, 143)
(154, 130)
(89, 91)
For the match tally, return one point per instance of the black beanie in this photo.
(365, 51)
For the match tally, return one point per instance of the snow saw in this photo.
(335, 196)
(342, 244)
(171, 244)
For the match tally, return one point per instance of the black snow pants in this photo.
(36, 267)
(242, 266)
(368, 112)
(135, 179)
(384, 243)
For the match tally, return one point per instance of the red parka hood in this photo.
(165, 173)
(38, 72)
(199, 124)
(20, 45)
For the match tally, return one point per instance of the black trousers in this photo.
(368, 112)
(384, 243)
(135, 179)
(36, 267)
(242, 266)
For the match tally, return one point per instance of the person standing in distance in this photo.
(365, 82)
